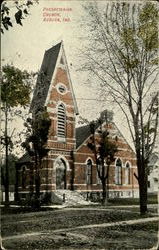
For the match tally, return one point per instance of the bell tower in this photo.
(54, 91)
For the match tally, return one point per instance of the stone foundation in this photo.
(96, 196)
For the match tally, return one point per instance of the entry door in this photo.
(61, 175)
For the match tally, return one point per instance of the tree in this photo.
(12, 159)
(122, 56)
(15, 93)
(21, 12)
(36, 145)
(104, 150)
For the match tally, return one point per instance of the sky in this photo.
(24, 46)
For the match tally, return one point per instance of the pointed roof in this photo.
(43, 84)
(44, 77)
(83, 133)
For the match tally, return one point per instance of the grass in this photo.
(125, 237)
(60, 219)
(24, 220)
(138, 236)
(21, 210)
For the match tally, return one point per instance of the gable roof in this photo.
(44, 78)
(82, 133)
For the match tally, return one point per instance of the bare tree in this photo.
(121, 54)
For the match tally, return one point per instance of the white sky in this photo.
(25, 46)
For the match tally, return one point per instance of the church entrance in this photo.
(60, 174)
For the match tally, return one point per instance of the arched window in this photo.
(60, 173)
(89, 172)
(127, 173)
(118, 172)
(61, 122)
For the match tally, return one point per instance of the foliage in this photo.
(103, 145)
(122, 56)
(36, 146)
(7, 140)
(37, 135)
(15, 93)
(15, 87)
(21, 12)
(104, 149)
(11, 163)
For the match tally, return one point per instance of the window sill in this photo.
(61, 139)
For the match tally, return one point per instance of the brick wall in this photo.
(125, 153)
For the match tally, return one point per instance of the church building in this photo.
(70, 164)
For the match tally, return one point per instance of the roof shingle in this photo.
(44, 78)
(82, 133)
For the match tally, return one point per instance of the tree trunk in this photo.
(31, 182)
(142, 181)
(37, 185)
(37, 189)
(143, 199)
(107, 182)
(6, 155)
(143, 194)
(73, 170)
(17, 183)
(104, 193)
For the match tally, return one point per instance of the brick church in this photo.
(70, 163)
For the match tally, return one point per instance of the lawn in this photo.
(57, 229)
